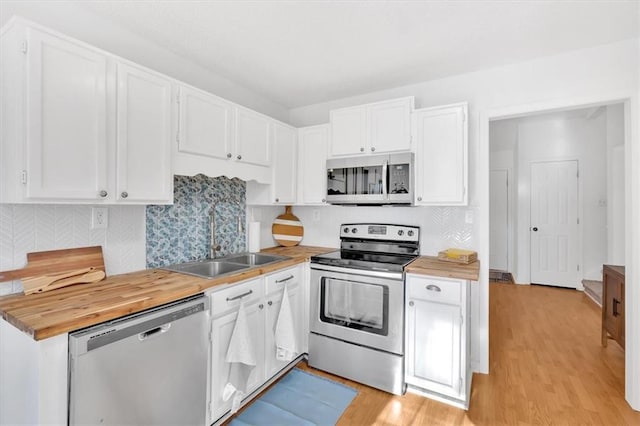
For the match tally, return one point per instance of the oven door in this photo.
(361, 307)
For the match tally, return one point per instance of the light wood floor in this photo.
(546, 367)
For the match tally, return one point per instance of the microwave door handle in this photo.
(385, 179)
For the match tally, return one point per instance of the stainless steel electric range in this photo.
(357, 304)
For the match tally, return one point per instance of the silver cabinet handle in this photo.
(432, 287)
(240, 296)
(290, 277)
(411, 303)
(361, 149)
(103, 193)
(373, 148)
(269, 303)
(239, 157)
(124, 194)
(229, 155)
(419, 198)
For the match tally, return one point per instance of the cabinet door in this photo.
(433, 359)
(206, 124)
(66, 119)
(348, 131)
(389, 126)
(274, 304)
(222, 329)
(253, 137)
(143, 165)
(441, 160)
(312, 172)
(284, 164)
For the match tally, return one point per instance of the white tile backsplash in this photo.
(27, 227)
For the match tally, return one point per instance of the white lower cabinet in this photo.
(262, 298)
(437, 331)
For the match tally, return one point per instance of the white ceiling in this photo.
(299, 53)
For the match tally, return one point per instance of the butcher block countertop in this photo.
(431, 265)
(71, 308)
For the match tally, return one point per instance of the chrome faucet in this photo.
(214, 247)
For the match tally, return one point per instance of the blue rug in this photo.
(299, 398)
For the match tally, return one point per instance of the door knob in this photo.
(269, 303)
(239, 157)
(103, 193)
(534, 229)
(411, 303)
(229, 155)
(361, 149)
(124, 194)
(373, 148)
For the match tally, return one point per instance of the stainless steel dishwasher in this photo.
(144, 369)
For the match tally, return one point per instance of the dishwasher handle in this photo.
(154, 331)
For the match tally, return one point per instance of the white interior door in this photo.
(554, 223)
(499, 220)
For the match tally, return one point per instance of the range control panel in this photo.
(380, 231)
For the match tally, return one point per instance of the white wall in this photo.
(566, 136)
(29, 228)
(599, 74)
(70, 18)
(615, 184)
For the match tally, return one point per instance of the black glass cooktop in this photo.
(364, 260)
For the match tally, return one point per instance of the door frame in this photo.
(510, 216)
(579, 211)
(630, 99)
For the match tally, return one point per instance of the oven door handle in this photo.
(385, 178)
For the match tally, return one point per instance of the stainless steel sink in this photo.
(207, 268)
(255, 259)
(213, 268)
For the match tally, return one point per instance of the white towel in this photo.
(242, 358)
(285, 330)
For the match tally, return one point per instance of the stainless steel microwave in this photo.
(371, 179)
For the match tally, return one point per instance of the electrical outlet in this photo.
(99, 217)
(316, 215)
(468, 216)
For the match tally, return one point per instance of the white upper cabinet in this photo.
(441, 155)
(284, 164)
(93, 128)
(143, 167)
(253, 137)
(66, 130)
(373, 128)
(389, 125)
(348, 131)
(312, 174)
(206, 124)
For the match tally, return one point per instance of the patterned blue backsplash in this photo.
(181, 232)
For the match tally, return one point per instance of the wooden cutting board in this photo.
(287, 229)
(61, 263)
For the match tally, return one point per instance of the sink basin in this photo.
(255, 259)
(207, 268)
(213, 268)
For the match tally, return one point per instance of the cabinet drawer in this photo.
(437, 290)
(229, 299)
(275, 282)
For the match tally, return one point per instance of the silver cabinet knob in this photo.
(361, 149)
(277, 200)
(324, 200)
(239, 157)
(419, 198)
(124, 194)
(103, 193)
(229, 155)
(411, 303)
(269, 303)
(373, 148)
(260, 306)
